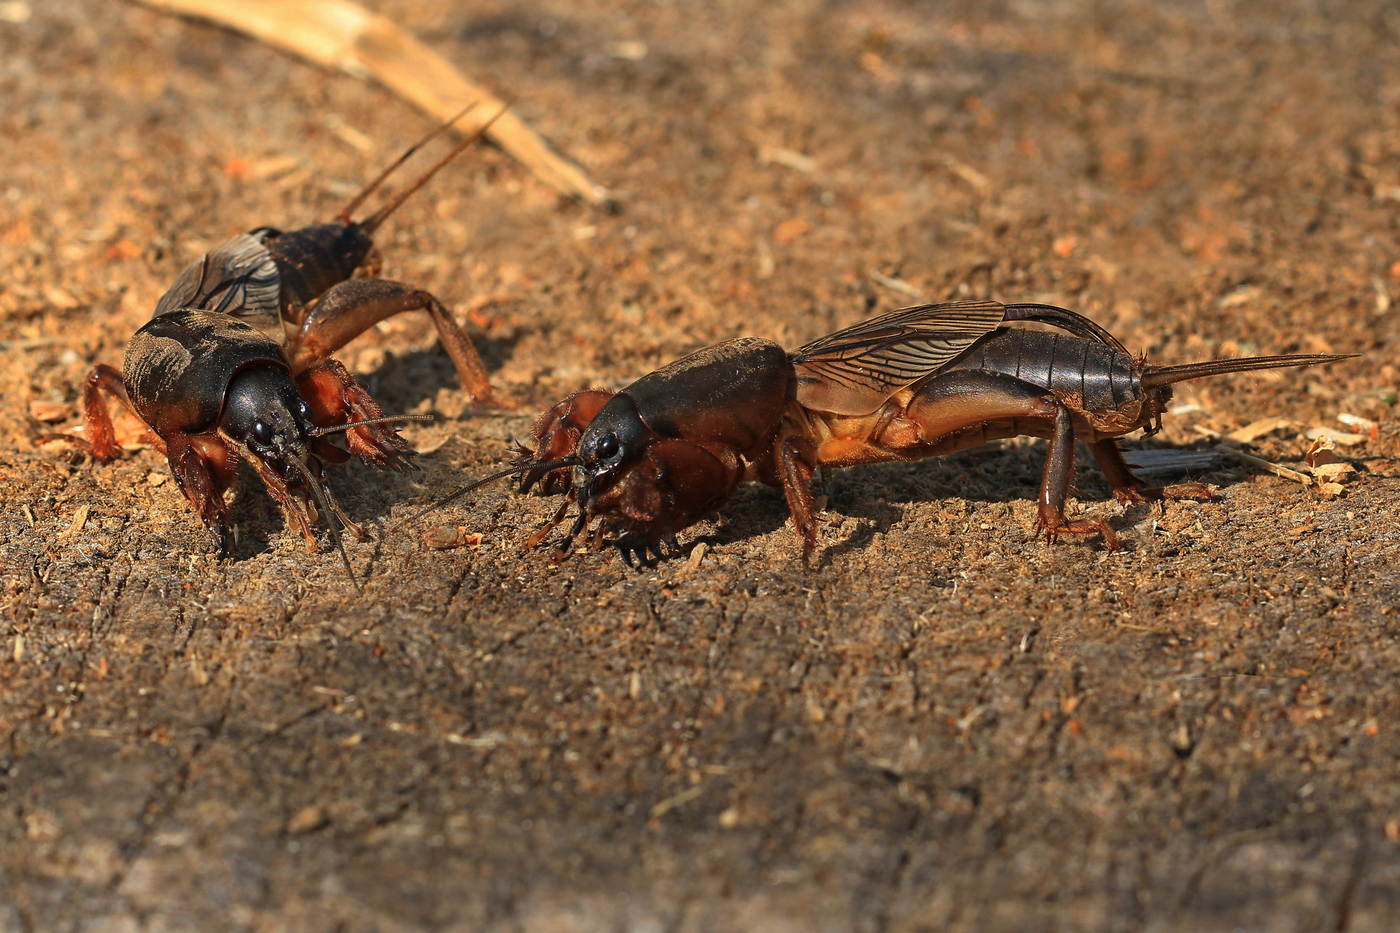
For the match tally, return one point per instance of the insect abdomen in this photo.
(1099, 375)
(314, 259)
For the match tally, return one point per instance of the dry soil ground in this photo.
(947, 725)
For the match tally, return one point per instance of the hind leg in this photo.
(351, 308)
(945, 415)
(101, 440)
(1128, 489)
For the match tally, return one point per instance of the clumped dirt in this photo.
(946, 725)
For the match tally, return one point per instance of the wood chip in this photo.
(50, 412)
(273, 167)
(896, 284)
(1344, 438)
(446, 537)
(1257, 429)
(344, 35)
(789, 230)
(80, 517)
(1263, 464)
(771, 155)
(684, 797)
(967, 173)
(307, 819)
(1171, 461)
(1322, 451)
(1358, 422)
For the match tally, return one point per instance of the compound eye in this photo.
(607, 446)
(262, 432)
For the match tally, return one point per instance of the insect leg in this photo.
(336, 398)
(204, 467)
(797, 459)
(1128, 489)
(952, 412)
(297, 506)
(351, 308)
(1054, 486)
(101, 440)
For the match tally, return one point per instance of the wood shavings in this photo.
(1257, 429)
(1363, 425)
(273, 167)
(1323, 451)
(896, 284)
(774, 155)
(967, 173)
(446, 537)
(1327, 468)
(80, 517)
(50, 412)
(425, 449)
(1263, 464)
(307, 819)
(1345, 438)
(1171, 460)
(344, 35)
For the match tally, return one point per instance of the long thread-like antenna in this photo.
(513, 471)
(320, 431)
(369, 189)
(370, 223)
(327, 511)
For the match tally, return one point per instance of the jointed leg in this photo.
(101, 442)
(353, 307)
(1054, 486)
(336, 398)
(797, 459)
(962, 400)
(1128, 489)
(204, 468)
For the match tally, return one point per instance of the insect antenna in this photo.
(372, 222)
(326, 509)
(322, 431)
(344, 213)
(511, 471)
(1154, 377)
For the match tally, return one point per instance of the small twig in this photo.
(896, 285)
(344, 35)
(1263, 464)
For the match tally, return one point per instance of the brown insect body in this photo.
(920, 382)
(215, 390)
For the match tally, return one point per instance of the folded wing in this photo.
(238, 277)
(854, 371)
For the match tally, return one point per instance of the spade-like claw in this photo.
(635, 546)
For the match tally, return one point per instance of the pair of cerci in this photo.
(646, 462)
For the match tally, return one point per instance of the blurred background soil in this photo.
(947, 724)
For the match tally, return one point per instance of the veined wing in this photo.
(853, 371)
(1072, 321)
(238, 277)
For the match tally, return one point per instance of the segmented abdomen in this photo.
(1103, 377)
(313, 259)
